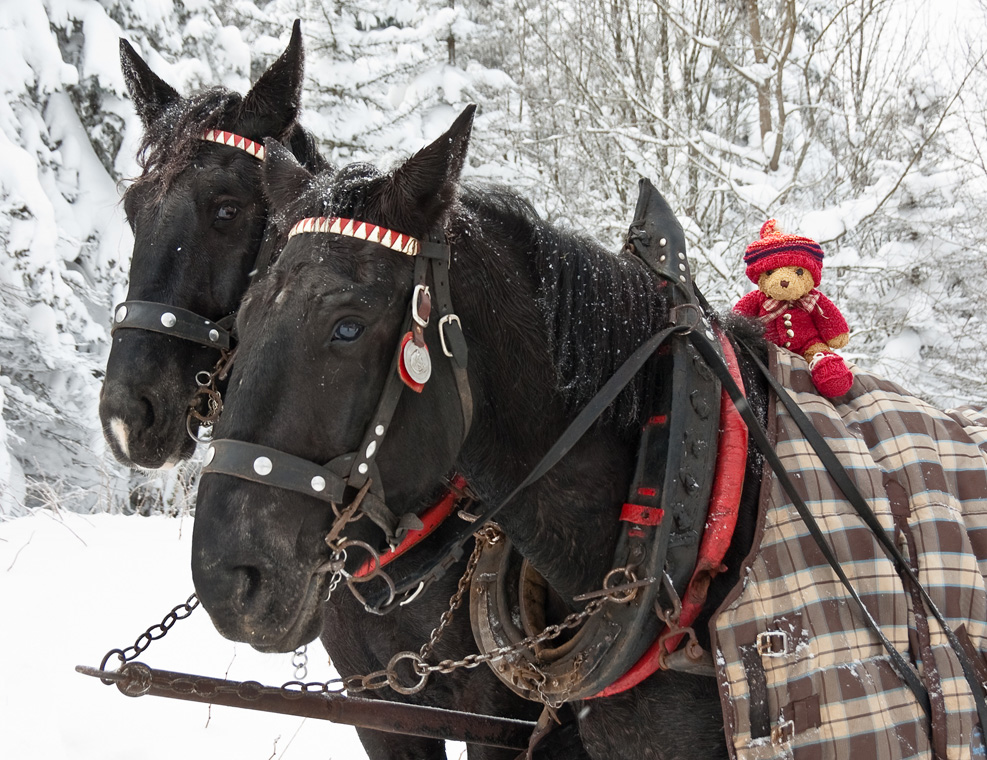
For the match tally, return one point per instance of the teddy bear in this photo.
(787, 269)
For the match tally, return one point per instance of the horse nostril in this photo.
(246, 584)
(784, 283)
(146, 411)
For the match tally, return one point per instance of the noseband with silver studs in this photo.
(411, 366)
(172, 320)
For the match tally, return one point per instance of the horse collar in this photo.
(664, 548)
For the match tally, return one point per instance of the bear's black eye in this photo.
(799, 272)
(347, 331)
(769, 272)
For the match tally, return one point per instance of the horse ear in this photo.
(284, 177)
(150, 93)
(272, 104)
(429, 180)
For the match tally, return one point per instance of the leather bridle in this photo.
(174, 321)
(410, 367)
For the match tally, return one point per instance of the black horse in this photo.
(201, 225)
(548, 317)
(199, 219)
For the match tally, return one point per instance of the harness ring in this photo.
(392, 676)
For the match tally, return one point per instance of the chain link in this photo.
(155, 632)
(389, 676)
(208, 394)
(299, 661)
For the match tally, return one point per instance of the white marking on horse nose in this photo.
(120, 433)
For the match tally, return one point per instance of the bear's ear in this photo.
(272, 104)
(150, 93)
(284, 178)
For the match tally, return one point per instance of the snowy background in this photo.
(74, 587)
(860, 123)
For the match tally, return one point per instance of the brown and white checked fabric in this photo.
(821, 686)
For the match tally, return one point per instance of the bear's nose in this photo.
(784, 283)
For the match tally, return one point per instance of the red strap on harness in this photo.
(641, 515)
(431, 520)
(724, 506)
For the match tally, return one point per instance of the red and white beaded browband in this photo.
(235, 141)
(337, 225)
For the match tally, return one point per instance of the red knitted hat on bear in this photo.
(776, 249)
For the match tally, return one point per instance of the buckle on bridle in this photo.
(420, 312)
(447, 319)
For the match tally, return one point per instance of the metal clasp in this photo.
(783, 733)
(421, 293)
(447, 319)
(772, 644)
(680, 317)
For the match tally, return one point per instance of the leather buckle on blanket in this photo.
(772, 644)
(783, 733)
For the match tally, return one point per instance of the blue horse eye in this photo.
(347, 331)
(226, 213)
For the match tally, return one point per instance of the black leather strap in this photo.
(273, 468)
(170, 320)
(411, 574)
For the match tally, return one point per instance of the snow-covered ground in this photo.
(73, 587)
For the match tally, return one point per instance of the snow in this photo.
(903, 239)
(73, 587)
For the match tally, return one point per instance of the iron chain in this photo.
(388, 676)
(155, 632)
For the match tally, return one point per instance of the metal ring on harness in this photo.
(392, 676)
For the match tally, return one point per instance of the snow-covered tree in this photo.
(854, 122)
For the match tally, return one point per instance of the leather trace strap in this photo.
(171, 320)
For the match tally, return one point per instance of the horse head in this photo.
(315, 381)
(198, 216)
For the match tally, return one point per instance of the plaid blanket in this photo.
(800, 674)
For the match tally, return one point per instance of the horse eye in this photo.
(226, 213)
(347, 331)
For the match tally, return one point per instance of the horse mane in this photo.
(598, 306)
(172, 141)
